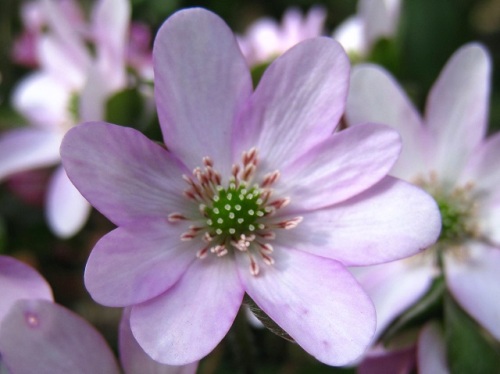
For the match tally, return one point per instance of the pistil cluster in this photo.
(236, 217)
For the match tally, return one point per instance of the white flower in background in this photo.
(266, 39)
(71, 86)
(374, 20)
(446, 153)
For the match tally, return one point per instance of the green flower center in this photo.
(238, 219)
(454, 221)
(458, 210)
(234, 211)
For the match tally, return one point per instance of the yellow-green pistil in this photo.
(235, 211)
(236, 217)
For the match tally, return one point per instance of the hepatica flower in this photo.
(251, 194)
(446, 153)
(266, 39)
(71, 85)
(374, 20)
(39, 336)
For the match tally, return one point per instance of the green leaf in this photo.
(470, 348)
(125, 108)
(385, 53)
(428, 307)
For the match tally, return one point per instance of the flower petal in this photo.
(56, 56)
(145, 180)
(350, 33)
(381, 361)
(201, 83)
(66, 50)
(67, 209)
(20, 281)
(342, 166)
(483, 167)
(394, 286)
(28, 148)
(381, 18)
(136, 263)
(134, 360)
(374, 96)
(316, 301)
(457, 108)
(185, 323)
(44, 100)
(297, 104)
(53, 340)
(391, 220)
(431, 350)
(473, 280)
(110, 25)
(93, 96)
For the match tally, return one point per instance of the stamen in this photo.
(202, 253)
(254, 267)
(176, 217)
(270, 179)
(232, 215)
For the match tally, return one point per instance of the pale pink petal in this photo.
(490, 218)
(110, 24)
(472, 278)
(381, 18)
(374, 96)
(342, 166)
(431, 350)
(43, 100)
(135, 361)
(201, 83)
(316, 301)
(401, 361)
(122, 173)
(67, 209)
(314, 22)
(297, 103)
(395, 286)
(261, 42)
(297, 27)
(38, 336)
(136, 263)
(20, 281)
(457, 109)
(186, 323)
(70, 47)
(482, 169)
(57, 59)
(350, 34)
(26, 149)
(94, 95)
(391, 220)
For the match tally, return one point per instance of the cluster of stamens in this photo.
(237, 217)
(459, 213)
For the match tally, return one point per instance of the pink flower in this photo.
(447, 154)
(39, 336)
(72, 85)
(374, 20)
(265, 39)
(428, 355)
(276, 206)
